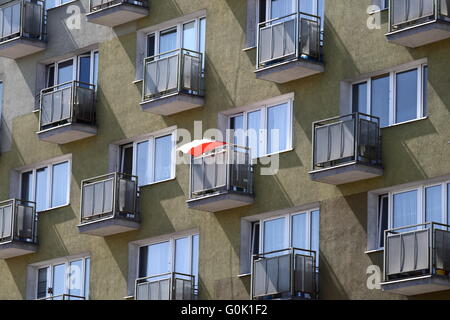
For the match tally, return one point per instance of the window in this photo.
(430, 203)
(396, 97)
(48, 185)
(49, 4)
(83, 68)
(298, 230)
(265, 131)
(68, 277)
(176, 254)
(272, 9)
(151, 160)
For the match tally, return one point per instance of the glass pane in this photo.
(142, 163)
(237, 124)
(75, 279)
(307, 7)
(277, 126)
(281, 8)
(195, 250)
(383, 216)
(380, 100)
(182, 260)
(41, 189)
(60, 184)
(275, 237)
(255, 237)
(253, 132)
(151, 45)
(50, 4)
(168, 41)
(127, 160)
(163, 158)
(42, 283)
(65, 72)
(50, 76)
(27, 186)
(85, 69)
(202, 33)
(158, 259)
(406, 96)
(59, 272)
(425, 91)
(1, 101)
(87, 276)
(433, 204)
(300, 231)
(95, 68)
(359, 100)
(315, 229)
(405, 209)
(189, 36)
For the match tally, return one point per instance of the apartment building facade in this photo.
(332, 181)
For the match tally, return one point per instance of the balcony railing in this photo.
(67, 103)
(225, 169)
(404, 14)
(354, 138)
(63, 297)
(111, 196)
(18, 221)
(22, 19)
(96, 5)
(167, 286)
(292, 37)
(415, 251)
(289, 273)
(177, 71)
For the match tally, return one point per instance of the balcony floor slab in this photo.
(289, 71)
(67, 133)
(20, 47)
(346, 174)
(117, 14)
(108, 227)
(415, 286)
(16, 249)
(420, 35)
(172, 104)
(220, 202)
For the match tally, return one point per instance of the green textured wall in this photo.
(411, 152)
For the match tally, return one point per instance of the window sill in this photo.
(249, 49)
(53, 208)
(405, 122)
(244, 275)
(379, 11)
(374, 251)
(157, 182)
(137, 81)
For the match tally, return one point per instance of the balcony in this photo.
(18, 228)
(109, 205)
(415, 23)
(173, 82)
(67, 113)
(289, 48)
(112, 13)
(168, 286)
(285, 274)
(221, 179)
(417, 259)
(346, 149)
(22, 28)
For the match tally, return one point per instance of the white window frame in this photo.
(49, 167)
(264, 140)
(393, 92)
(66, 262)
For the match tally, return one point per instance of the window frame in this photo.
(263, 143)
(66, 262)
(420, 108)
(49, 166)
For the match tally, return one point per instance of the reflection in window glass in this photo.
(315, 229)
(158, 259)
(281, 8)
(189, 36)
(405, 209)
(195, 250)
(274, 235)
(277, 126)
(163, 158)
(359, 97)
(41, 189)
(27, 186)
(253, 132)
(433, 200)
(182, 261)
(87, 275)
(237, 124)
(65, 72)
(406, 96)
(300, 231)
(168, 41)
(84, 69)
(60, 176)
(59, 273)
(75, 279)
(380, 99)
(142, 163)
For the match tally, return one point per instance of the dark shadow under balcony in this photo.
(346, 149)
(109, 205)
(18, 228)
(67, 113)
(173, 82)
(168, 286)
(22, 28)
(417, 259)
(289, 48)
(415, 23)
(285, 274)
(221, 179)
(112, 13)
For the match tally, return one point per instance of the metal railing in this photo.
(111, 196)
(404, 14)
(287, 273)
(353, 138)
(63, 297)
(97, 5)
(292, 37)
(416, 251)
(166, 286)
(172, 72)
(22, 19)
(18, 221)
(69, 102)
(225, 169)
